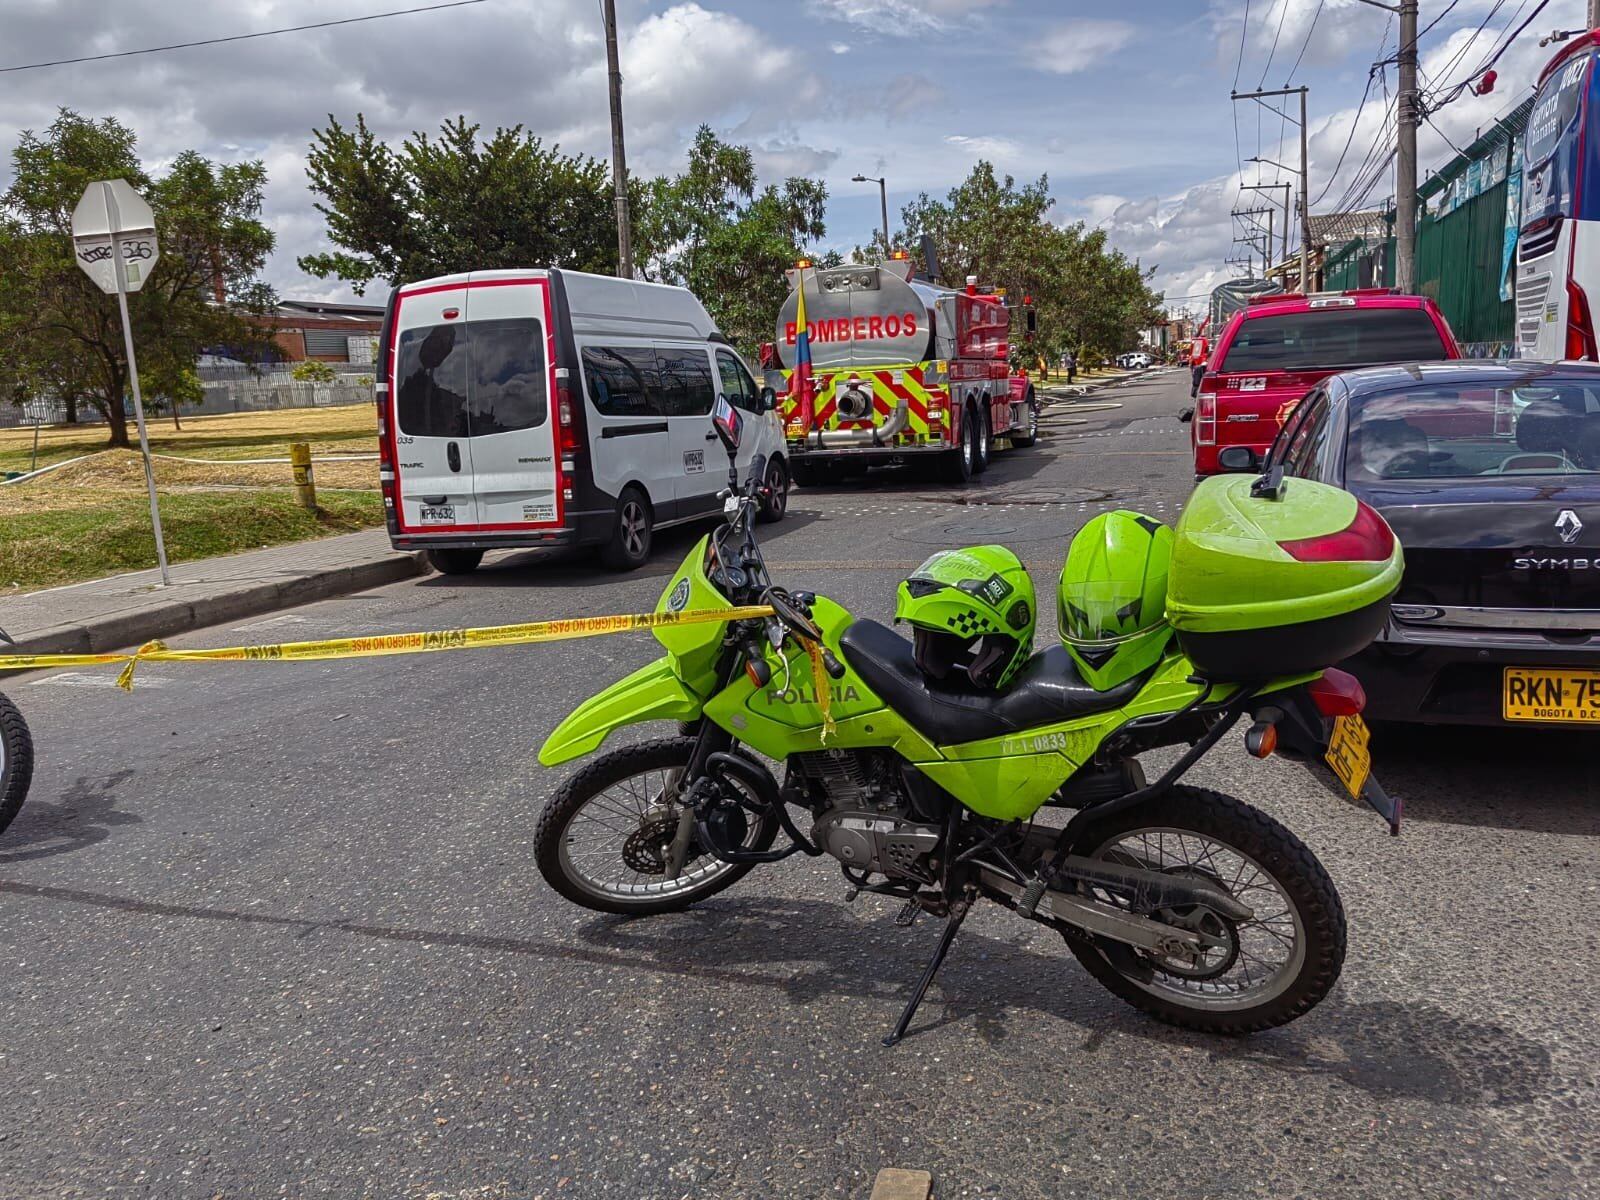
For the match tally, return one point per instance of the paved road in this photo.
(274, 930)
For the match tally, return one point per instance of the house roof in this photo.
(1335, 229)
(328, 310)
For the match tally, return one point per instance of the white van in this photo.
(555, 408)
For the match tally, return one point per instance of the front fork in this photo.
(710, 739)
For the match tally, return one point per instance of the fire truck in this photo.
(904, 371)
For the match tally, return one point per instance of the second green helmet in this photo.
(1113, 597)
(972, 610)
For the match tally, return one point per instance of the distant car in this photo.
(1489, 473)
(1277, 348)
(1135, 359)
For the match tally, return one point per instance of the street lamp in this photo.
(883, 198)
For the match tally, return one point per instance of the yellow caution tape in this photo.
(819, 682)
(379, 645)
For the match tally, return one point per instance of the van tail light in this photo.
(1367, 538)
(1337, 694)
(1580, 325)
(568, 440)
(386, 451)
(1205, 413)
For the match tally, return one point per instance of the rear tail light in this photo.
(567, 439)
(1580, 325)
(1205, 414)
(386, 459)
(1337, 694)
(1367, 538)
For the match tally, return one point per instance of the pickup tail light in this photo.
(1205, 412)
(1367, 538)
(1580, 325)
(1337, 694)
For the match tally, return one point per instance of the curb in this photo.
(135, 626)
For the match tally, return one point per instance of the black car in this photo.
(1489, 472)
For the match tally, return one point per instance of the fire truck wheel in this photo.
(777, 501)
(1030, 424)
(958, 463)
(985, 433)
(813, 474)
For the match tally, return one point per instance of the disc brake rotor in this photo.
(645, 851)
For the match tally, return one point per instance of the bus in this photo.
(1558, 244)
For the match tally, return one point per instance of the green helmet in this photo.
(1113, 597)
(973, 610)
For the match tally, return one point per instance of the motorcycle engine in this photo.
(866, 823)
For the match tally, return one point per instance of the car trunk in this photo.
(1251, 405)
(1495, 546)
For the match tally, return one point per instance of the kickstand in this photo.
(958, 913)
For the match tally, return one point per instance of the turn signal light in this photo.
(1261, 739)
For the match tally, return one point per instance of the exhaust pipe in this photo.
(879, 435)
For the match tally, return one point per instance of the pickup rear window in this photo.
(1334, 338)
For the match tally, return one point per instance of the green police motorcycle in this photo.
(797, 720)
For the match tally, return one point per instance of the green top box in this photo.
(1247, 562)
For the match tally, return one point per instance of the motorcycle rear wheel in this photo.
(599, 819)
(1265, 972)
(16, 762)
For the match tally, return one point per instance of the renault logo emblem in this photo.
(1568, 525)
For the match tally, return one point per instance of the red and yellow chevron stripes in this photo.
(890, 385)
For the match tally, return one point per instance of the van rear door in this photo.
(433, 459)
(509, 385)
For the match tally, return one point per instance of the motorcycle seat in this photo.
(1047, 690)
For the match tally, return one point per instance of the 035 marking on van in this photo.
(437, 514)
(694, 462)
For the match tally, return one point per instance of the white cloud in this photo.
(995, 149)
(1078, 45)
(902, 18)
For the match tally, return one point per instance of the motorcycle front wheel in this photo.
(602, 838)
(16, 761)
(1251, 975)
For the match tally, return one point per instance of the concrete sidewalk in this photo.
(126, 610)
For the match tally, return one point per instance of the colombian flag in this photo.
(800, 385)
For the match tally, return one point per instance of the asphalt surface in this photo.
(275, 930)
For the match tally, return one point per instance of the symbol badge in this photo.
(679, 597)
(1568, 526)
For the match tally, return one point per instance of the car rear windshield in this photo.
(1334, 338)
(1552, 428)
(472, 380)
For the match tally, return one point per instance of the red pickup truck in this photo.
(1278, 348)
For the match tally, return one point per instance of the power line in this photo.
(1312, 29)
(238, 37)
(1483, 66)
(1244, 28)
(1283, 11)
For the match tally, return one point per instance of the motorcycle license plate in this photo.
(1554, 695)
(438, 514)
(1348, 754)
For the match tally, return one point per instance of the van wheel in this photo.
(455, 562)
(958, 462)
(984, 450)
(629, 546)
(777, 501)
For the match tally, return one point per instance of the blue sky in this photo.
(1125, 106)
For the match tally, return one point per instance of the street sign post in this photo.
(114, 242)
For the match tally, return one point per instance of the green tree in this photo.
(60, 335)
(713, 231)
(1088, 295)
(434, 206)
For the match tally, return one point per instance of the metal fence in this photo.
(228, 389)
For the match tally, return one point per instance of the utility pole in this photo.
(1272, 187)
(1594, 14)
(1266, 246)
(1305, 188)
(619, 161)
(1405, 166)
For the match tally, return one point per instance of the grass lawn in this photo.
(92, 518)
(350, 429)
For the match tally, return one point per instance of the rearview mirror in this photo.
(769, 399)
(725, 419)
(1238, 459)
